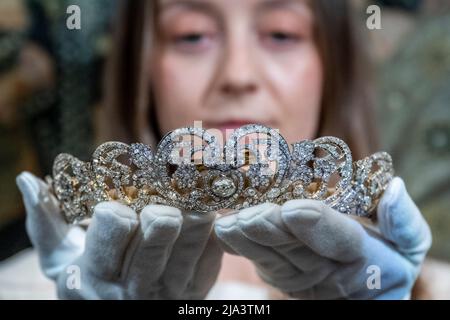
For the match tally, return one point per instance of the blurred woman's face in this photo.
(229, 63)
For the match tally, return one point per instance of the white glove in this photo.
(308, 250)
(160, 254)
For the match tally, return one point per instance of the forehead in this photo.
(218, 4)
(228, 9)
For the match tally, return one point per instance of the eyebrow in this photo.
(302, 7)
(197, 5)
(277, 4)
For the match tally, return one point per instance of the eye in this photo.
(282, 38)
(190, 38)
(193, 42)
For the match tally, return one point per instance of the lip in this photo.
(233, 124)
(227, 127)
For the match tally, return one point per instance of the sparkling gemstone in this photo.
(141, 155)
(223, 187)
(259, 175)
(298, 191)
(273, 193)
(251, 192)
(373, 188)
(186, 176)
(303, 151)
(172, 195)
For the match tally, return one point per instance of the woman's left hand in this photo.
(308, 250)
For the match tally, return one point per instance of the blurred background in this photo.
(50, 90)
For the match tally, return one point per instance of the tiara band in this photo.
(192, 171)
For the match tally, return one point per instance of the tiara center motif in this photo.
(223, 187)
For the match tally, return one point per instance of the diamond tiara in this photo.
(191, 170)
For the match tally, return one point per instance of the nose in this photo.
(238, 72)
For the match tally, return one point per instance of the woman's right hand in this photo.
(161, 253)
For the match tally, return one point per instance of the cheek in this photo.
(178, 90)
(297, 84)
(305, 88)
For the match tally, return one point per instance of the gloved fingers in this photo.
(306, 259)
(112, 227)
(206, 270)
(401, 222)
(266, 258)
(294, 282)
(56, 242)
(324, 230)
(226, 248)
(151, 248)
(45, 224)
(264, 225)
(90, 287)
(187, 250)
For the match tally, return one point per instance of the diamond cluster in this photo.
(191, 170)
